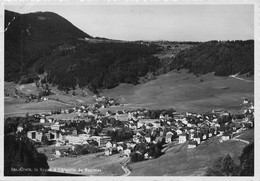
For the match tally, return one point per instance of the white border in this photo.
(256, 4)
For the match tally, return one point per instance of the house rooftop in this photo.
(192, 142)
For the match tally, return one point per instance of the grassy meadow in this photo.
(178, 161)
(185, 92)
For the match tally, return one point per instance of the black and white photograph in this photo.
(129, 89)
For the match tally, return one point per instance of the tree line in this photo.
(226, 166)
(101, 65)
(223, 58)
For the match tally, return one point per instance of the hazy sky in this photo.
(157, 22)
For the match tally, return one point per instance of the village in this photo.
(139, 134)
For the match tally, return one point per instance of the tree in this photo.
(20, 153)
(45, 140)
(247, 161)
(155, 150)
(228, 166)
(136, 157)
(141, 147)
(26, 115)
(223, 166)
(40, 95)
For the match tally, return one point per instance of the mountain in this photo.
(31, 36)
(44, 42)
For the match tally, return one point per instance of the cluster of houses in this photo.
(179, 128)
(104, 102)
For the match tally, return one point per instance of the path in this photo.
(85, 92)
(124, 167)
(235, 76)
(244, 141)
(60, 102)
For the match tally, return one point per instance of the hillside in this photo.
(222, 57)
(29, 37)
(185, 92)
(191, 162)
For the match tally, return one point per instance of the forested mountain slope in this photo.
(45, 42)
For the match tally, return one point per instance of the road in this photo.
(126, 170)
(235, 76)
(244, 141)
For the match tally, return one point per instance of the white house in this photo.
(107, 152)
(109, 145)
(50, 120)
(191, 135)
(43, 120)
(183, 138)
(139, 124)
(57, 153)
(53, 135)
(19, 128)
(156, 124)
(245, 101)
(168, 138)
(197, 139)
(127, 152)
(35, 135)
(184, 121)
(148, 138)
(56, 126)
(58, 144)
(87, 130)
(146, 156)
(189, 125)
(136, 139)
(210, 134)
(119, 148)
(178, 131)
(225, 137)
(204, 137)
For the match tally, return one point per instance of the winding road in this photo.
(124, 167)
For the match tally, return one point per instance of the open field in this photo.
(180, 90)
(27, 89)
(72, 99)
(66, 116)
(17, 107)
(185, 92)
(192, 162)
(108, 165)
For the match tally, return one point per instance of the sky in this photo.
(156, 22)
